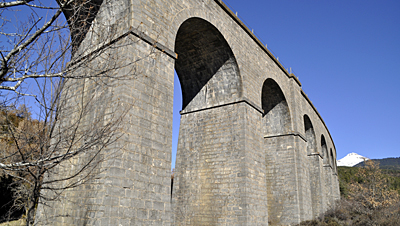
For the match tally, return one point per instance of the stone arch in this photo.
(211, 89)
(335, 159)
(206, 66)
(315, 171)
(310, 136)
(276, 110)
(80, 17)
(276, 125)
(332, 158)
(324, 150)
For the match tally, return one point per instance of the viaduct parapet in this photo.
(253, 150)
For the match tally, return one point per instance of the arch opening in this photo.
(310, 136)
(332, 160)
(210, 79)
(276, 110)
(206, 67)
(324, 150)
(80, 17)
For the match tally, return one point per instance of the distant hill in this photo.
(386, 163)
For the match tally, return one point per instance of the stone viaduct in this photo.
(253, 150)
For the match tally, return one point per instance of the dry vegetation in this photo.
(19, 140)
(368, 198)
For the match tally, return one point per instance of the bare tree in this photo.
(45, 45)
(42, 60)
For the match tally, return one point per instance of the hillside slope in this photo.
(386, 163)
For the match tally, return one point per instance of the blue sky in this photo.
(347, 57)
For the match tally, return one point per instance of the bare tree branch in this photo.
(4, 67)
(13, 3)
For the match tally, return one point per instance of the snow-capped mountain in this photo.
(351, 159)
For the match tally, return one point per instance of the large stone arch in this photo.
(334, 163)
(316, 169)
(276, 123)
(276, 115)
(331, 160)
(327, 173)
(201, 13)
(80, 17)
(310, 136)
(206, 66)
(324, 150)
(335, 181)
(208, 140)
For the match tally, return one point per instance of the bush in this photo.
(369, 197)
(353, 213)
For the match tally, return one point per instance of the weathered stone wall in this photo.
(246, 154)
(216, 181)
